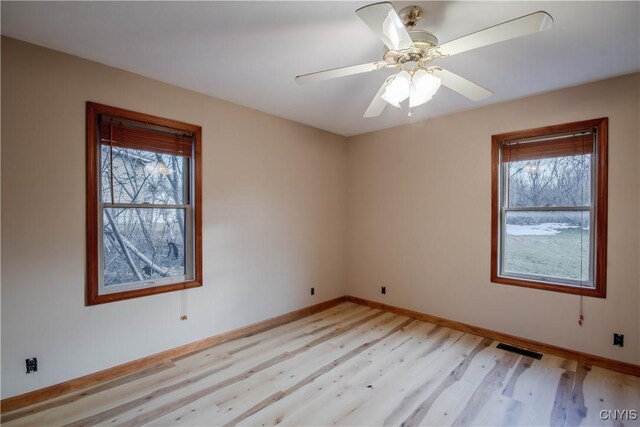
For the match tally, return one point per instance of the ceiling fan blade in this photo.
(464, 87)
(339, 72)
(528, 24)
(385, 22)
(377, 104)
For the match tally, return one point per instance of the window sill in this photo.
(119, 296)
(576, 290)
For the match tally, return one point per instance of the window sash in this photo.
(189, 246)
(553, 146)
(588, 283)
(187, 184)
(189, 250)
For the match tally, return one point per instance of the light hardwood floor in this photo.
(349, 365)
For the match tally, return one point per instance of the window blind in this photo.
(124, 133)
(557, 146)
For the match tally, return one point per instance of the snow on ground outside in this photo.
(544, 229)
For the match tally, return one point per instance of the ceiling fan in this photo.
(411, 50)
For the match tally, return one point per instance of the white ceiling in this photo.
(249, 52)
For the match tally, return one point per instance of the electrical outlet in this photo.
(618, 340)
(313, 291)
(383, 290)
(32, 365)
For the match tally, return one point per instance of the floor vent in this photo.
(512, 349)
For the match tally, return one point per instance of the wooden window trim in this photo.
(93, 111)
(600, 256)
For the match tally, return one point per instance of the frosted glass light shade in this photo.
(423, 86)
(398, 89)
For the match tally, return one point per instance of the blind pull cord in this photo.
(581, 309)
(179, 146)
(111, 161)
(183, 305)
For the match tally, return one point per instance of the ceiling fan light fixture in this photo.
(398, 90)
(411, 50)
(423, 86)
(416, 98)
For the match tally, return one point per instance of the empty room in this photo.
(320, 213)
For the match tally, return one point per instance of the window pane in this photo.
(142, 177)
(558, 181)
(143, 244)
(553, 244)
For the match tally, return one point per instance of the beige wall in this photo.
(273, 219)
(419, 220)
(279, 198)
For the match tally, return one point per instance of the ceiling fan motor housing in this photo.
(422, 52)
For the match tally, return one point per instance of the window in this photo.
(549, 208)
(143, 205)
